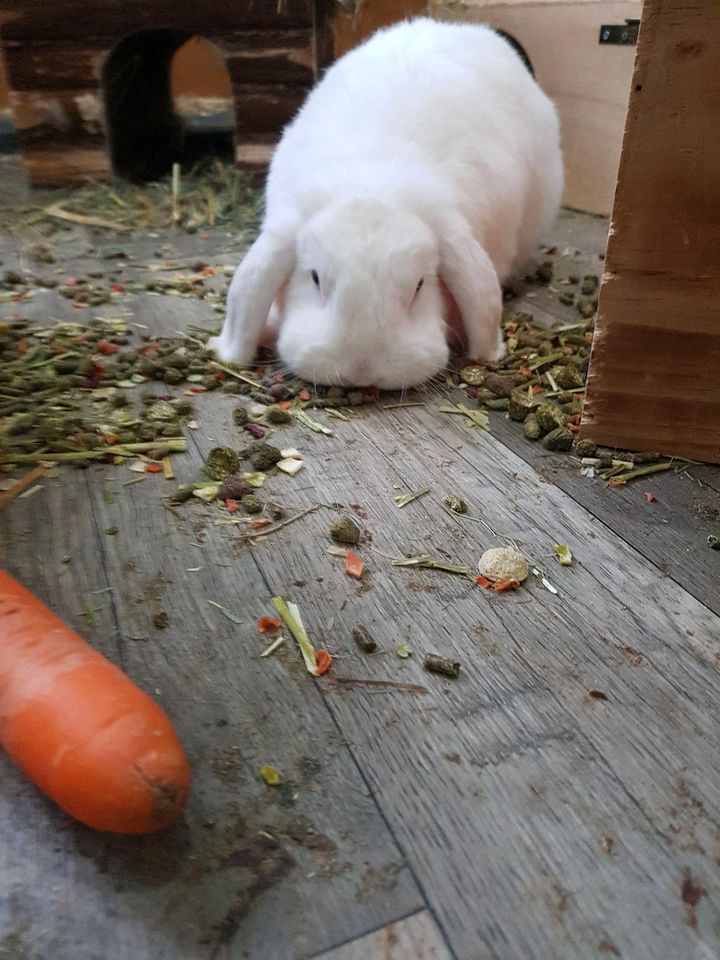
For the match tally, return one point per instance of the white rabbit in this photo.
(426, 161)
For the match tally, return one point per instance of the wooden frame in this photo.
(653, 380)
(589, 82)
(273, 53)
(57, 57)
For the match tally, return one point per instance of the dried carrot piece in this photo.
(502, 585)
(266, 624)
(323, 661)
(354, 565)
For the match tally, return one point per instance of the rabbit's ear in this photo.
(267, 266)
(470, 276)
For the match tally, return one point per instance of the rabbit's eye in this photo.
(315, 278)
(419, 286)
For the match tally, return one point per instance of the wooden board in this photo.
(502, 786)
(672, 531)
(653, 375)
(245, 854)
(104, 86)
(588, 82)
(416, 938)
(352, 23)
(531, 819)
(23, 19)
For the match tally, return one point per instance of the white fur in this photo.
(430, 153)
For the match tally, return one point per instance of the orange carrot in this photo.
(483, 582)
(153, 468)
(354, 566)
(265, 624)
(78, 726)
(231, 505)
(500, 586)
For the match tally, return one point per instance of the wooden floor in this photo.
(510, 814)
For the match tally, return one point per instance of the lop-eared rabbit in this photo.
(421, 172)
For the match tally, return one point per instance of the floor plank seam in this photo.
(393, 835)
(426, 902)
(119, 639)
(366, 933)
(588, 748)
(396, 840)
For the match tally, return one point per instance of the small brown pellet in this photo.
(362, 638)
(443, 665)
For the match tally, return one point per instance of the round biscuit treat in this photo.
(503, 563)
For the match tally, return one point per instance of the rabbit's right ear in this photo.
(267, 265)
(470, 276)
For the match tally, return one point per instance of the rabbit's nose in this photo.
(360, 374)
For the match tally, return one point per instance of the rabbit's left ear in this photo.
(469, 275)
(266, 267)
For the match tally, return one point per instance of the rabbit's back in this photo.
(450, 105)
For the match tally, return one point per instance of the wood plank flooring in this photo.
(558, 801)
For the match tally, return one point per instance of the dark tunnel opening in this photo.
(146, 133)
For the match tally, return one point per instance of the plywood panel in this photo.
(588, 82)
(653, 375)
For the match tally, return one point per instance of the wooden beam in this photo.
(25, 20)
(653, 380)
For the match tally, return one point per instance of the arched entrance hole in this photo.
(168, 99)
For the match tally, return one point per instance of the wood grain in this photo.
(503, 787)
(213, 887)
(23, 19)
(531, 818)
(652, 380)
(588, 82)
(48, 166)
(415, 938)
(672, 531)
(121, 54)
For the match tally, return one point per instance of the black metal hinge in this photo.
(624, 35)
